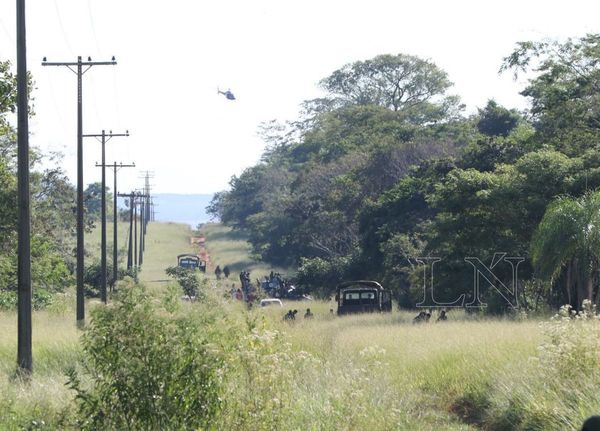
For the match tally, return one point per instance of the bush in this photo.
(320, 276)
(572, 346)
(188, 280)
(40, 299)
(92, 278)
(8, 300)
(147, 370)
(561, 387)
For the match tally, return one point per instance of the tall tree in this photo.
(565, 92)
(397, 82)
(50, 207)
(567, 243)
(495, 120)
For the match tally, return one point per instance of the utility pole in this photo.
(142, 230)
(132, 253)
(24, 350)
(78, 68)
(104, 138)
(130, 244)
(135, 235)
(153, 208)
(115, 168)
(147, 217)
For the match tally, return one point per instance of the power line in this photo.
(104, 138)
(55, 103)
(78, 68)
(115, 168)
(94, 101)
(62, 27)
(8, 35)
(93, 26)
(117, 101)
(132, 251)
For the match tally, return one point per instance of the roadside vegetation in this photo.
(384, 168)
(229, 247)
(259, 372)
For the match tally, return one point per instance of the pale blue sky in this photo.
(172, 56)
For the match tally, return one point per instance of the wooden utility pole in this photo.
(24, 345)
(78, 68)
(104, 138)
(130, 242)
(135, 235)
(132, 251)
(115, 169)
(142, 231)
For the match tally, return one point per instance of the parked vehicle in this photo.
(362, 296)
(271, 302)
(191, 261)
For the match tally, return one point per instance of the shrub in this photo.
(40, 298)
(320, 276)
(572, 346)
(260, 379)
(8, 300)
(559, 388)
(92, 278)
(187, 279)
(146, 369)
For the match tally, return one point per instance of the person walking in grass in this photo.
(421, 317)
(226, 271)
(218, 272)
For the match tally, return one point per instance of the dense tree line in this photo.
(387, 167)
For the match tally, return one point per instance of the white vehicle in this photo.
(270, 302)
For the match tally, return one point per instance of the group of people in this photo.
(291, 314)
(246, 293)
(276, 285)
(225, 271)
(424, 317)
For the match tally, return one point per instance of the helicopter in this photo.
(228, 94)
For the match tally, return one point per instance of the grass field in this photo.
(56, 339)
(363, 372)
(227, 247)
(164, 241)
(92, 240)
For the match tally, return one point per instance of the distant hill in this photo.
(190, 209)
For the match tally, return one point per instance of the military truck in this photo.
(362, 296)
(191, 261)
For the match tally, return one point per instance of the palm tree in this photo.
(567, 243)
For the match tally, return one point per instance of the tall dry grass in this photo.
(361, 372)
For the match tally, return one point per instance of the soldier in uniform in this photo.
(421, 317)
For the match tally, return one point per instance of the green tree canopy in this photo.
(567, 243)
(397, 82)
